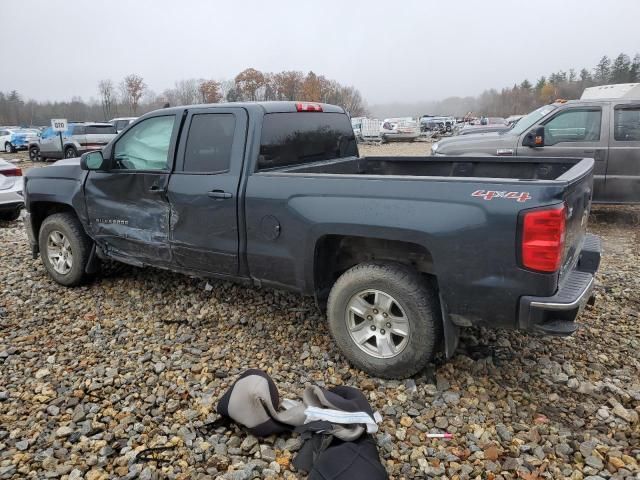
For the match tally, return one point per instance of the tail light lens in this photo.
(12, 172)
(308, 107)
(543, 233)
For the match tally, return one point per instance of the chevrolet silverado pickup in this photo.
(400, 252)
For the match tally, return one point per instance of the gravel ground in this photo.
(91, 376)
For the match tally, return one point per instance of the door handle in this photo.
(219, 194)
(156, 189)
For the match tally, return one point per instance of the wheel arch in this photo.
(334, 254)
(40, 210)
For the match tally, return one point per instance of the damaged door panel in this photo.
(127, 204)
(203, 191)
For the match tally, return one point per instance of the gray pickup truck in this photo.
(399, 251)
(607, 130)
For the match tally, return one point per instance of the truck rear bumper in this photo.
(556, 315)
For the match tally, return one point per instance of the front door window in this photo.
(146, 146)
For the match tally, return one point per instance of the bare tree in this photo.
(187, 92)
(132, 88)
(107, 96)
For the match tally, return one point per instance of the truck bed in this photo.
(519, 168)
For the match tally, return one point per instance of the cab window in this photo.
(626, 124)
(145, 146)
(209, 143)
(575, 125)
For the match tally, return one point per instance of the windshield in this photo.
(530, 119)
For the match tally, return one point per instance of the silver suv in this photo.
(76, 140)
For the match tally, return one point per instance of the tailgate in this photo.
(577, 199)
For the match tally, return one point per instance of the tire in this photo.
(414, 309)
(76, 243)
(34, 154)
(8, 148)
(70, 152)
(10, 216)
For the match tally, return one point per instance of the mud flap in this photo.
(450, 331)
(93, 263)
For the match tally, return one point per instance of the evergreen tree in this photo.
(602, 72)
(620, 69)
(634, 69)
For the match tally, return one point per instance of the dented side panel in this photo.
(129, 215)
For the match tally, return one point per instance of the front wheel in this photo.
(70, 152)
(8, 148)
(64, 248)
(385, 319)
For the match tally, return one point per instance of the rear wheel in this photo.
(70, 152)
(34, 154)
(8, 148)
(385, 319)
(64, 248)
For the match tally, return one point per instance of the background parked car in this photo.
(14, 138)
(399, 129)
(121, 123)
(11, 200)
(429, 123)
(79, 138)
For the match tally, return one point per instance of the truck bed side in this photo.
(297, 220)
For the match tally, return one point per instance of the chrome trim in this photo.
(566, 306)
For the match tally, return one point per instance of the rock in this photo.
(406, 421)
(159, 367)
(267, 453)
(41, 373)
(510, 463)
(64, 432)
(628, 416)
(248, 443)
(594, 462)
(22, 445)
(503, 433)
(560, 377)
(367, 384)
(587, 447)
(451, 398)
(53, 410)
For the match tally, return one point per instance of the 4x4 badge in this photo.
(491, 194)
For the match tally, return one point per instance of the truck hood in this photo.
(476, 144)
(67, 168)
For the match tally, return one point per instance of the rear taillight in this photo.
(308, 107)
(543, 239)
(12, 172)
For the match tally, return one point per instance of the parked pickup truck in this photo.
(607, 130)
(401, 252)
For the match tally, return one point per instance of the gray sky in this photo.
(391, 50)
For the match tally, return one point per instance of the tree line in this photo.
(526, 96)
(132, 97)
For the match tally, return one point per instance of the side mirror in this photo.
(92, 160)
(534, 138)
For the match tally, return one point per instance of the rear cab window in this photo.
(297, 138)
(209, 143)
(626, 123)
